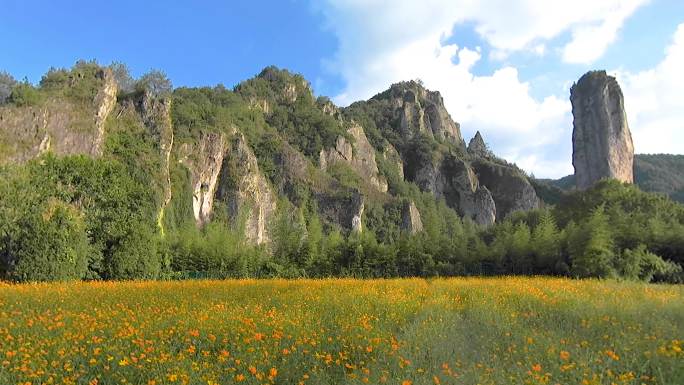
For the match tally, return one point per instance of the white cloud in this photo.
(591, 37)
(386, 41)
(655, 103)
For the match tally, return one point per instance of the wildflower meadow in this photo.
(342, 331)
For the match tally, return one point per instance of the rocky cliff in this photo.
(217, 154)
(419, 110)
(509, 187)
(602, 142)
(59, 124)
(410, 218)
(246, 191)
(204, 159)
(358, 154)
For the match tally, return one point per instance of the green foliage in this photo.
(660, 173)
(122, 75)
(591, 247)
(640, 264)
(546, 245)
(81, 83)
(198, 111)
(216, 251)
(40, 239)
(344, 174)
(293, 112)
(118, 215)
(7, 83)
(155, 82)
(24, 95)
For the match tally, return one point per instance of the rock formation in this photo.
(345, 209)
(509, 187)
(58, 125)
(477, 147)
(601, 140)
(455, 181)
(420, 110)
(358, 154)
(223, 167)
(391, 156)
(156, 115)
(246, 191)
(410, 218)
(204, 160)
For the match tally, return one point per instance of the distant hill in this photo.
(660, 173)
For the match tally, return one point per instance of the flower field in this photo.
(405, 332)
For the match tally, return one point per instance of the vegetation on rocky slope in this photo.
(214, 182)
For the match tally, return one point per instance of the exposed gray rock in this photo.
(601, 140)
(156, 115)
(455, 181)
(328, 107)
(57, 125)
(419, 110)
(484, 206)
(345, 210)
(105, 100)
(246, 191)
(359, 154)
(509, 187)
(391, 155)
(410, 218)
(477, 147)
(204, 160)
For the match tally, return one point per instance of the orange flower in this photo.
(564, 355)
(240, 377)
(436, 380)
(537, 368)
(407, 382)
(273, 372)
(612, 355)
(252, 370)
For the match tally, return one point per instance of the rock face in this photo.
(359, 155)
(601, 140)
(391, 155)
(204, 160)
(410, 218)
(58, 125)
(455, 181)
(224, 168)
(345, 210)
(477, 147)
(156, 115)
(422, 111)
(509, 187)
(246, 191)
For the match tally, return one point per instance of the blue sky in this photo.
(504, 67)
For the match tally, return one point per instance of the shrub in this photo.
(40, 239)
(640, 264)
(24, 94)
